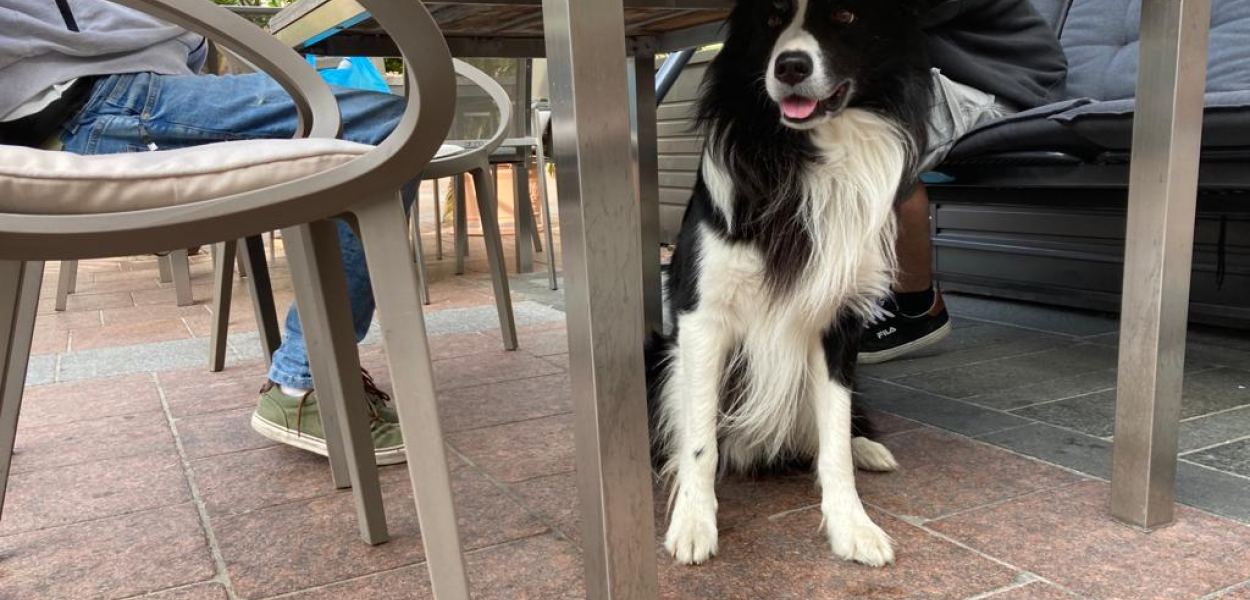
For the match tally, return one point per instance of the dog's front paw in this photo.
(859, 539)
(691, 537)
(872, 456)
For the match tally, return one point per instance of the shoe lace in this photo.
(880, 314)
(299, 413)
(377, 399)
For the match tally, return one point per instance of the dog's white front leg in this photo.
(852, 534)
(693, 396)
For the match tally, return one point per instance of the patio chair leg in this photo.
(407, 350)
(487, 207)
(19, 303)
(252, 257)
(163, 272)
(223, 287)
(545, 201)
(462, 223)
(180, 270)
(1158, 260)
(67, 283)
(241, 264)
(524, 218)
(438, 222)
(418, 250)
(325, 313)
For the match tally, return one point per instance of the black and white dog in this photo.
(815, 116)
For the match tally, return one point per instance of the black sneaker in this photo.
(897, 334)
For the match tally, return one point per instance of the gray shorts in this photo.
(957, 109)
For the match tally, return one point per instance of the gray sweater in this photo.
(1001, 47)
(38, 49)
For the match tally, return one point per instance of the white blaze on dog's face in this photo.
(809, 74)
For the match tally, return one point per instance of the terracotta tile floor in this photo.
(148, 482)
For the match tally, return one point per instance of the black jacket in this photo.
(1001, 47)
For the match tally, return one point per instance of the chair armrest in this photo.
(318, 110)
(463, 161)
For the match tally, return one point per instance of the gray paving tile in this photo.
(1033, 316)
(1214, 429)
(1046, 391)
(969, 343)
(1093, 414)
(1012, 372)
(1234, 458)
(482, 318)
(1070, 449)
(41, 369)
(1205, 392)
(1220, 493)
(1217, 355)
(124, 360)
(952, 415)
(1198, 334)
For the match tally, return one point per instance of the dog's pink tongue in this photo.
(798, 108)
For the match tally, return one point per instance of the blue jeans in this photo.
(143, 111)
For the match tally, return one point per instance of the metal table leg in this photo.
(600, 220)
(1167, 140)
(647, 171)
(523, 208)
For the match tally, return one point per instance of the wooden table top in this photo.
(306, 23)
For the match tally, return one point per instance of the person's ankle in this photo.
(915, 302)
(294, 392)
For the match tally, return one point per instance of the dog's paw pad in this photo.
(872, 456)
(691, 539)
(862, 541)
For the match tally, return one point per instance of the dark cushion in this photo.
(1110, 124)
(1102, 41)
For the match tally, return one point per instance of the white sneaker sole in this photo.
(383, 457)
(873, 358)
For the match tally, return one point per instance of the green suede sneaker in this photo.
(296, 421)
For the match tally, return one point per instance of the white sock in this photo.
(294, 392)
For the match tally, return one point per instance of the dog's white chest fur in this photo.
(848, 214)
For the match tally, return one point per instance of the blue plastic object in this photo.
(355, 72)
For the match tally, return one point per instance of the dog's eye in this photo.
(777, 13)
(843, 17)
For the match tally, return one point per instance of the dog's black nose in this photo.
(793, 68)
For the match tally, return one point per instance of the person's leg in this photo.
(915, 249)
(915, 317)
(143, 112)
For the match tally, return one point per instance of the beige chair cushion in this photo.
(45, 182)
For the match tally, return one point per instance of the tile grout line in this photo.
(91, 520)
(1071, 336)
(514, 496)
(1025, 579)
(1218, 412)
(1087, 476)
(971, 400)
(974, 363)
(176, 588)
(1235, 440)
(563, 413)
(1245, 585)
(1003, 501)
(422, 564)
(219, 561)
(1215, 470)
(925, 528)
